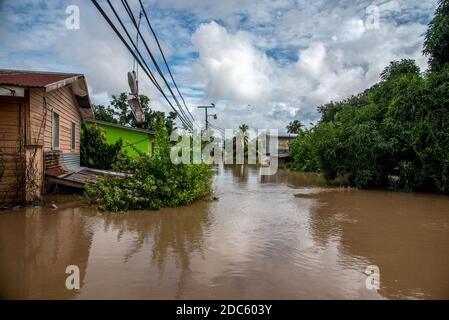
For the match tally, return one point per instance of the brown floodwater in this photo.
(279, 237)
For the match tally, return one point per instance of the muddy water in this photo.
(279, 237)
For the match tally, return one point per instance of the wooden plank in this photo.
(65, 182)
(62, 102)
(10, 147)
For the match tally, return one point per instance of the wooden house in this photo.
(40, 119)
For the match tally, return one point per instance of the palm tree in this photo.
(243, 131)
(294, 126)
(244, 128)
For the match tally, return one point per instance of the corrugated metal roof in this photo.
(40, 79)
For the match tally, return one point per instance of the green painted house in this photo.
(133, 138)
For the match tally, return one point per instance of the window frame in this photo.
(73, 135)
(55, 137)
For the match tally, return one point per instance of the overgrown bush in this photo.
(303, 150)
(153, 181)
(393, 135)
(95, 151)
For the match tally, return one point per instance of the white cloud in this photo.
(311, 60)
(280, 57)
(233, 67)
(353, 29)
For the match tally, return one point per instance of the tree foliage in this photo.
(394, 134)
(119, 112)
(95, 151)
(294, 126)
(398, 68)
(436, 42)
(244, 128)
(153, 181)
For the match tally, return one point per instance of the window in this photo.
(73, 136)
(55, 131)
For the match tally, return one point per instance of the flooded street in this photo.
(277, 237)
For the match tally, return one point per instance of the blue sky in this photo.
(263, 63)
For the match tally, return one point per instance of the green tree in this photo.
(244, 128)
(436, 42)
(154, 181)
(294, 126)
(303, 152)
(393, 135)
(398, 68)
(104, 113)
(95, 151)
(119, 112)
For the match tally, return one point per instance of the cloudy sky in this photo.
(262, 62)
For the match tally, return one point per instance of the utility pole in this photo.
(212, 105)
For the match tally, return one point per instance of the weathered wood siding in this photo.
(62, 102)
(26, 135)
(10, 155)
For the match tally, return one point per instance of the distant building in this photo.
(133, 139)
(284, 139)
(283, 142)
(40, 118)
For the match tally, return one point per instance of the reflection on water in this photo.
(258, 241)
(36, 246)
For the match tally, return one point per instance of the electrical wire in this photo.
(131, 15)
(129, 11)
(152, 78)
(183, 120)
(165, 60)
(135, 64)
(221, 130)
(141, 63)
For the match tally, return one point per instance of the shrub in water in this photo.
(153, 181)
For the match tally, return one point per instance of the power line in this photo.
(222, 131)
(133, 20)
(141, 63)
(152, 78)
(165, 60)
(131, 15)
(147, 72)
(205, 112)
(135, 65)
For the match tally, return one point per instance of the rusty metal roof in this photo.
(37, 79)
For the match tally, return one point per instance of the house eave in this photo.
(62, 83)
